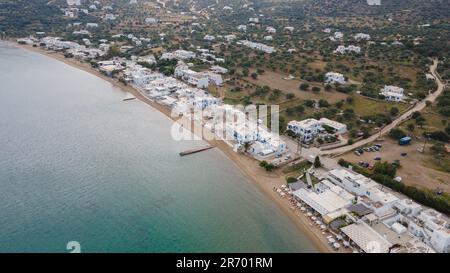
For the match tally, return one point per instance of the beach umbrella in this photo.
(336, 245)
(346, 244)
(331, 240)
(298, 204)
(279, 190)
(339, 237)
(302, 209)
(323, 227)
(313, 218)
(309, 214)
(318, 223)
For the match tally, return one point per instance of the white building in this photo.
(371, 192)
(290, 29)
(435, 229)
(307, 129)
(91, 25)
(149, 59)
(230, 38)
(209, 38)
(151, 21)
(271, 30)
(373, 2)
(392, 93)
(198, 79)
(367, 238)
(179, 55)
(351, 48)
(253, 20)
(219, 69)
(334, 77)
(258, 46)
(73, 2)
(242, 28)
(337, 36)
(110, 16)
(268, 38)
(325, 197)
(362, 36)
(339, 128)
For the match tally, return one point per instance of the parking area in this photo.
(415, 169)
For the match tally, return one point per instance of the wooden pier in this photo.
(129, 97)
(196, 150)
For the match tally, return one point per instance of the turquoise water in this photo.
(79, 164)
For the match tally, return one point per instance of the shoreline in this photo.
(264, 181)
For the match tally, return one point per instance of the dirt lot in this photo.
(276, 81)
(415, 168)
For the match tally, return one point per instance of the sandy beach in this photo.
(265, 181)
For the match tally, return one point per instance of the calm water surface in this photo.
(79, 164)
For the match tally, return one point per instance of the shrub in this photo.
(304, 86)
(438, 135)
(396, 133)
(267, 166)
(291, 179)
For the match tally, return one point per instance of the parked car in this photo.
(404, 154)
(377, 158)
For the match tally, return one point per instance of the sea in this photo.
(80, 165)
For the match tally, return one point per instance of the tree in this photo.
(247, 146)
(323, 103)
(438, 151)
(396, 133)
(438, 135)
(349, 100)
(317, 163)
(309, 103)
(114, 50)
(254, 76)
(365, 132)
(316, 89)
(385, 168)
(267, 166)
(291, 179)
(411, 127)
(300, 109)
(245, 72)
(290, 96)
(394, 111)
(304, 86)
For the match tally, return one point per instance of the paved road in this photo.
(405, 116)
(330, 163)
